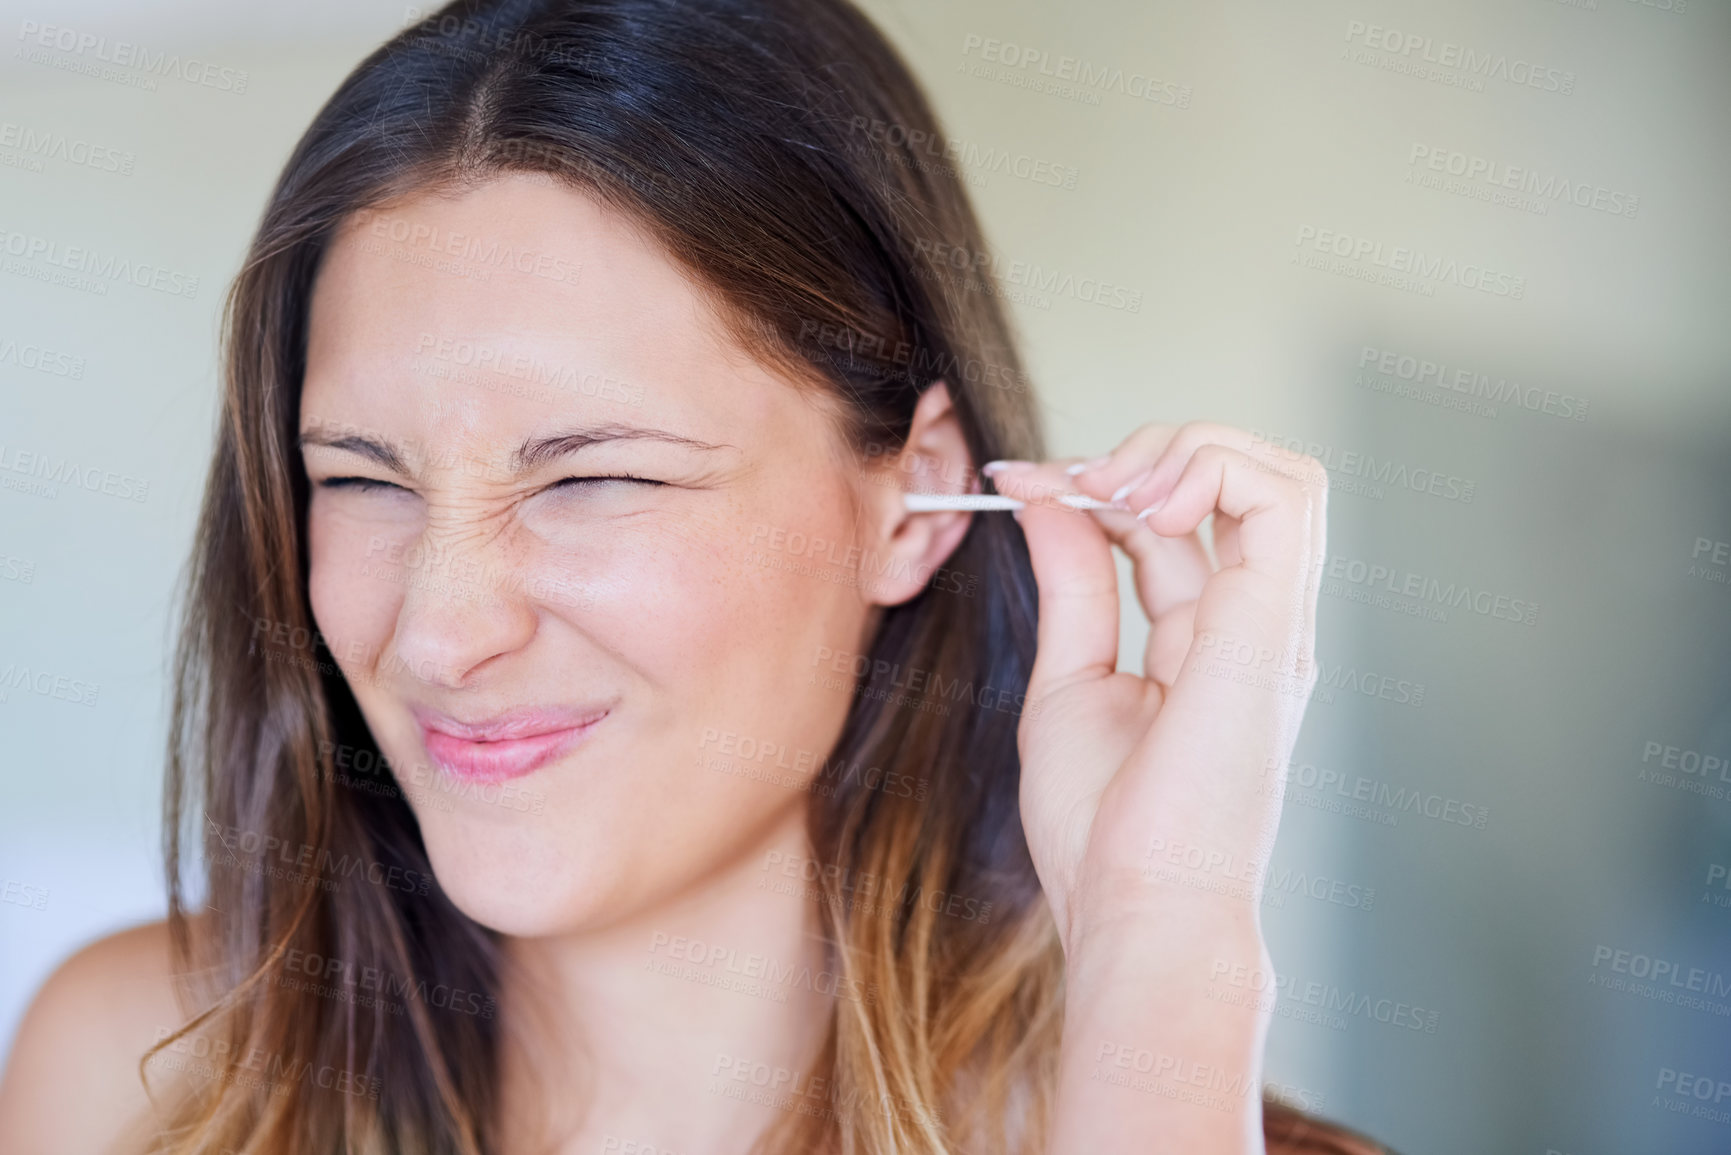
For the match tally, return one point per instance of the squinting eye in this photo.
(574, 482)
(357, 483)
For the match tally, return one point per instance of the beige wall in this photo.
(1273, 127)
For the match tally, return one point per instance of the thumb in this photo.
(1077, 638)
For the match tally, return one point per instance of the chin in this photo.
(525, 882)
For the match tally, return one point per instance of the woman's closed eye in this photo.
(361, 484)
(592, 495)
(579, 482)
(567, 512)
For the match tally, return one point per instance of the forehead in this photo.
(524, 299)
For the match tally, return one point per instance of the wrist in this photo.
(1164, 926)
(1152, 1052)
(1163, 973)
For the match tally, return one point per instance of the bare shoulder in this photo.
(72, 1083)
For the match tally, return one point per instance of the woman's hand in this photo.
(1150, 803)
(1124, 778)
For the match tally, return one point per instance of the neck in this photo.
(640, 1032)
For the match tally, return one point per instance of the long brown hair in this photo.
(784, 155)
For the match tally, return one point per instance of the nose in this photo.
(462, 609)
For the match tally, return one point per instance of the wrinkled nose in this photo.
(463, 607)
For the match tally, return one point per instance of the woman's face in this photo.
(560, 534)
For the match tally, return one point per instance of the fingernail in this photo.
(1008, 466)
(1084, 466)
(1123, 491)
(1151, 510)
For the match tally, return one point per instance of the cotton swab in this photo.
(935, 502)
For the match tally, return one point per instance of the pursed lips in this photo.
(507, 745)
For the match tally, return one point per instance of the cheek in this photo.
(704, 608)
(730, 631)
(357, 580)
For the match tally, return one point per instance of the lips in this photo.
(505, 746)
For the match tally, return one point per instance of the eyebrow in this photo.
(534, 452)
(380, 451)
(538, 451)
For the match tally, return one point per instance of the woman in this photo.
(586, 747)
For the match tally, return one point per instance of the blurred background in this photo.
(1476, 257)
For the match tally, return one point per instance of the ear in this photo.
(904, 551)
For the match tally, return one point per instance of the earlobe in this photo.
(912, 548)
